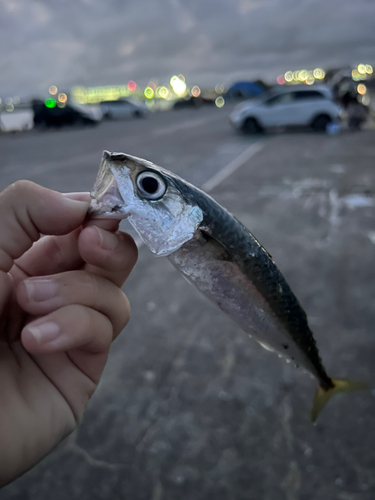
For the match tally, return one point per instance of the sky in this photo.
(108, 42)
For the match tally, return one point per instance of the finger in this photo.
(78, 196)
(70, 327)
(50, 255)
(40, 296)
(108, 254)
(26, 210)
(108, 224)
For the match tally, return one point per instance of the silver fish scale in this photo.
(257, 264)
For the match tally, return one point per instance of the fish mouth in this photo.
(106, 199)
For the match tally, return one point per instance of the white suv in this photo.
(288, 106)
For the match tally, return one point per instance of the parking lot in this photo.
(189, 407)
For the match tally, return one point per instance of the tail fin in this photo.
(322, 396)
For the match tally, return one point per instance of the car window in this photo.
(279, 99)
(308, 94)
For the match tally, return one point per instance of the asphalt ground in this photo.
(189, 407)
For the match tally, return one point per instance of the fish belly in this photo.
(205, 264)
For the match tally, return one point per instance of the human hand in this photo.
(60, 308)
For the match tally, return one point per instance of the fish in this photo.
(215, 252)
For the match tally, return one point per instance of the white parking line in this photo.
(232, 166)
(176, 127)
(223, 174)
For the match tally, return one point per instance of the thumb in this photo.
(26, 210)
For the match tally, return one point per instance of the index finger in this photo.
(26, 210)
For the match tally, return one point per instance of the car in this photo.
(66, 115)
(123, 108)
(288, 106)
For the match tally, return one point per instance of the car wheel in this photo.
(251, 126)
(320, 123)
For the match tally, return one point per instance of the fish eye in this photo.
(150, 185)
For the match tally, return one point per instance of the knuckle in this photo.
(86, 317)
(21, 186)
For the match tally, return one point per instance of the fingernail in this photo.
(45, 332)
(108, 240)
(80, 201)
(39, 290)
(84, 196)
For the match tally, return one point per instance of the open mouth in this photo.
(106, 199)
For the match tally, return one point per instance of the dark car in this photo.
(62, 116)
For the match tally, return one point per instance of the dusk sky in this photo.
(103, 42)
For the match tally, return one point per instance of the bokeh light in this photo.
(53, 90)
(356, 75)
(361, 69)
(369, 69)
(361, 89)
(219, 101)
(62, 97)
(131, 85)
(149, 93)
(178, 85)
(319, 73)
(50, 103)
(365, 100)
(288, 76)
(195, 91)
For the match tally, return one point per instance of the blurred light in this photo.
(50, 103)
(365, 100)
(52, 90)
(162, 92)
(369, 69)
(61, 104)
(62, 97)
(178, 86)
(149, 93)
(361, 69)
(9, 108)
(310, 80)
(131, 86)
(181, 77)
(152, 84)
(280, 80)
(296, 76)
(195, 91)
(219, 101)
(150, 104)
(319, 73)
(303, 75)
(288, 76)
(356, 75)
(361, 89)
(16, 99)
(219, 89)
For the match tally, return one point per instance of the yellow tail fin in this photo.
(322, 396)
